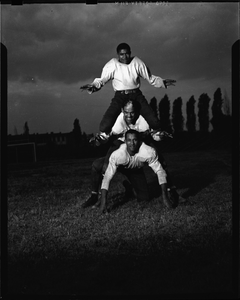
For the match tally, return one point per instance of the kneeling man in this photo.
(129, 159)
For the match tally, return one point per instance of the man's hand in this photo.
(160, 135)
(90, 88)
(99, 139)
(164, 134)
(168, 82)
(166, 201)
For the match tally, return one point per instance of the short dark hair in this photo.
(133, 131)
(123, 46)
(136, 105)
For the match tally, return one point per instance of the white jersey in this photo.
(127, 76)
(120, 126)
(121, 157)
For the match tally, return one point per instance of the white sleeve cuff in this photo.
(105, 183)
(159, 82)
(162, 177)
(97, 82)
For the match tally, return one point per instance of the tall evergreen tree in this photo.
(26, 129)
(217, 113)
(177, 116)
(217, 103)
(153, 104)
(191, 116)
(203, 112)
(164, 114)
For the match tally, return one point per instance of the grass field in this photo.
(57, 248)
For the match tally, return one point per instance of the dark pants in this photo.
(115, 107)
(135, 176)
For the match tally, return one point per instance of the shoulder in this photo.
(120, 117)
(137, 60)
(147, 151)
(119, 124)
(111, 63)
(119, 154)
(141, 120)
(122, 150)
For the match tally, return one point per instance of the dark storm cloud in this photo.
(69, 43)
(195, 40)
(56, 43)
(53, 49)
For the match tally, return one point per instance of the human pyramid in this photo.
(133, 130)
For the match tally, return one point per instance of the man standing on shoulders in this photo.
(125, 73)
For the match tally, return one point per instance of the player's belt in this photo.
(129, 91)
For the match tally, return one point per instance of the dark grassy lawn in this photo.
(57, 248)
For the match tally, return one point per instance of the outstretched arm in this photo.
(156, 81)
(156, 166)
(97, 84)
(109, 173)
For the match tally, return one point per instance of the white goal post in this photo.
(22, 152)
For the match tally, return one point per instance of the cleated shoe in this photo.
(91, 201)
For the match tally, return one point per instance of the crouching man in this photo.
(129, 159)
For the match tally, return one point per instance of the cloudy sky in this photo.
(53, 49)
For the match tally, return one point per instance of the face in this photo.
(132, 143)
(124, 56)
(129, 114)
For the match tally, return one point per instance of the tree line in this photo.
(187, 137)
(174, 123)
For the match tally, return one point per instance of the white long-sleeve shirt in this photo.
(121, 157)
(127, 76)
(120, 127)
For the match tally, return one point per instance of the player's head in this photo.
(124, 53)
(133, 141)
(131, 111)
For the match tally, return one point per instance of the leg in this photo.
(111, 114)
(96, 178)
(96, 173)
(129, 191)
(147, 112)
(139, 183)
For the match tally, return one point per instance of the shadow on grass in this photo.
(118, 200)
(198, 177)
(173, 269)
